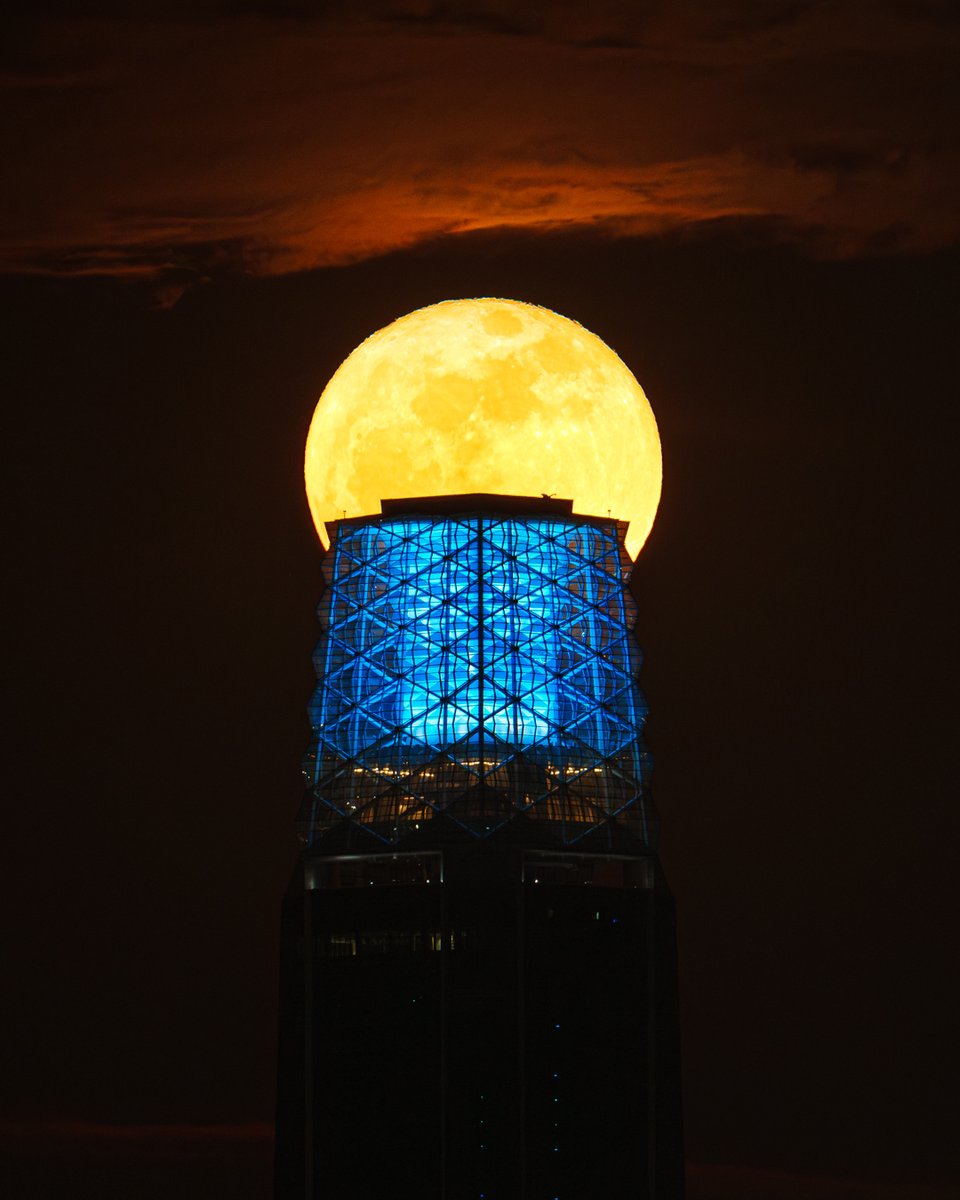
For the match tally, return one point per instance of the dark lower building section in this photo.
(486, 1023)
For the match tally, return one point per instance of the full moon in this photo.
(484, 396)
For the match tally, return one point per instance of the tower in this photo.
(479, 983)
(478, 963)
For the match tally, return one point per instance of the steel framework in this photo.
(479, 665)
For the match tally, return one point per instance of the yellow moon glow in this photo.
(484, 396)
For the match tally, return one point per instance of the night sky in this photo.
(207, 206)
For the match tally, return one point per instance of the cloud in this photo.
(149, 1162)
(65, 1139)
(708, 1182)
(170, 148)
(69, 1141)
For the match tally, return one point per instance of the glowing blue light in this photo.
(477, 649)
(444, 676)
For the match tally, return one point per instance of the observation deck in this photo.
(477, 667)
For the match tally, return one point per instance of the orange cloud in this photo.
(148, 149)
(756, 1183)
(158, 1144)
(65, 1138)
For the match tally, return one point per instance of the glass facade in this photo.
(479, 665)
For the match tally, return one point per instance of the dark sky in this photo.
(207, 207)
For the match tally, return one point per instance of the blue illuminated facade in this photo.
(478, 952)
(479, 664)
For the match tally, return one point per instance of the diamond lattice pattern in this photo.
(481, 666)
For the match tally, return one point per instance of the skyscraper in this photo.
(478, 979)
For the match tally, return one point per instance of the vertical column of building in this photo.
(479, 989)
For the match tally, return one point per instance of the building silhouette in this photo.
(478, 965)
